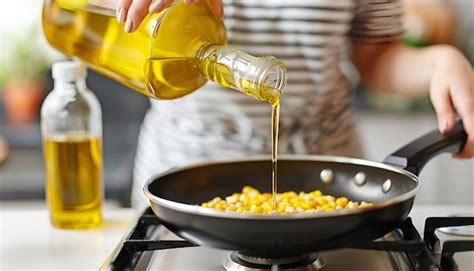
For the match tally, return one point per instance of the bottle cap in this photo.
(69, 71)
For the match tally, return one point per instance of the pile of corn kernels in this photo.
(253, 201)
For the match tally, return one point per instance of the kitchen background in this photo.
(384, 122)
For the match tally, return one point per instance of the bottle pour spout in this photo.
(263, 78)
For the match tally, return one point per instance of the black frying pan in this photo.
(391, 185)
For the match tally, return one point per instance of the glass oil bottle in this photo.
(71, 130)
(171, 54)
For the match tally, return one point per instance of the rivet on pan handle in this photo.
(327, 176)
(416, 154)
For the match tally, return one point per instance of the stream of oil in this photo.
(275, 124)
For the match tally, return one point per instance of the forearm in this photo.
(441, 70)
(396, 68)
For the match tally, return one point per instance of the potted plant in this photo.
(22, 77)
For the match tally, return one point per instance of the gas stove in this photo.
(448, 244)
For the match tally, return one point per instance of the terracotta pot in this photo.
(22, 100)
(430, 21)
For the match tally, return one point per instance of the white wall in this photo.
(17, 14)
(17, 17)
(465, 33)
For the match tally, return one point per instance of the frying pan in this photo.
(175, 195)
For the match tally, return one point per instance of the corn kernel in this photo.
(306, 205)
(252, 201)
(247, 189)
(325, 207)
(231, 208)
(289, 209)
(352, 205)
(316, 193)
(219, 206)
(342, 201)
(322, 201)
(256, 209)
(232, 199)
(242, 197)
(267, 195)
(267, 209)
(313, 204)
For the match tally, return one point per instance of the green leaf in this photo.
(25, 60)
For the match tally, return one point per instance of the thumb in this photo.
(443, 106)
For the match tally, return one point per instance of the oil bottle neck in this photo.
(70, 87)
(264, 78)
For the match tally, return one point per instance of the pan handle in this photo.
(416, 154)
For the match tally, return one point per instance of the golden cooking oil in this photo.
(275, 128)
(170, 55)
(73, 180)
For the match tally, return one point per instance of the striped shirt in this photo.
(310, 37)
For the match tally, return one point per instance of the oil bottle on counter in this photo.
(71, 131)
(171, 54)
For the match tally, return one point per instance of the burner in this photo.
(310, 262)
(459, 230)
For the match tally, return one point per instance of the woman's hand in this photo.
(132, 12)
(398, 69)
(451, 91)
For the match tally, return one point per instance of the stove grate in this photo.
(447, 262)
(404, 239)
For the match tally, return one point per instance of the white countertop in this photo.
(28, 242)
